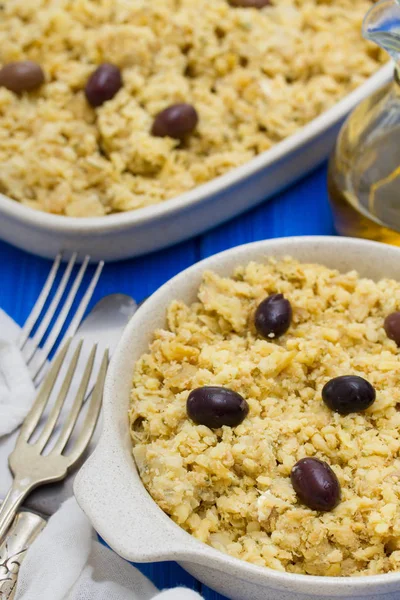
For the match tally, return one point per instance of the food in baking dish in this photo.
(131, 103)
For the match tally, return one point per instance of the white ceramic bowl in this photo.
(110, 491)
(144, 230)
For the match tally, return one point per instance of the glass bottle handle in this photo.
(381, 25)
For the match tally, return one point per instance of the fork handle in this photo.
(22, 533)
(18, 491)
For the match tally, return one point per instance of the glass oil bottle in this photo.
(364, 170)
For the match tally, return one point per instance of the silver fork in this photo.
(34, 356)
(29, 466)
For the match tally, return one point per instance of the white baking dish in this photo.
(110, 491)
(144, 230)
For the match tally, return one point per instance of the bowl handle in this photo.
(141, 531)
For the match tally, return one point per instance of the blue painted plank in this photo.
(140, 277)
(300, 210)
(209, 594)
(166, 575)
(23, 275)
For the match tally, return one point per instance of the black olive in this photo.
(176, 121)
(103, 84)
(250, 3)
(273, 316)
(315, 484)
(392, 327)
(216, 406)
(22, 76)
(348, 394)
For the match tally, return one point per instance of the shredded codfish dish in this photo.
(247, 76)
(265, 418)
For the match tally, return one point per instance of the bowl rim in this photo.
(140, 216)
(240, 567)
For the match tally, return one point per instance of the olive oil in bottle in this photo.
(364, 170)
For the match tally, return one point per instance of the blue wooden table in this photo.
(301, 210)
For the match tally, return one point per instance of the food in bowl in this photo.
(106, 132)
(320, 376)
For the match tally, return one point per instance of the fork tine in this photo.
(45, 322)
(59, 403)
(76, 407)
(92, 415)
(40, 302)
(76, 321)
(34, 415)
(40, 359)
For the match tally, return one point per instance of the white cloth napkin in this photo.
(16, 388)
(66, 562)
